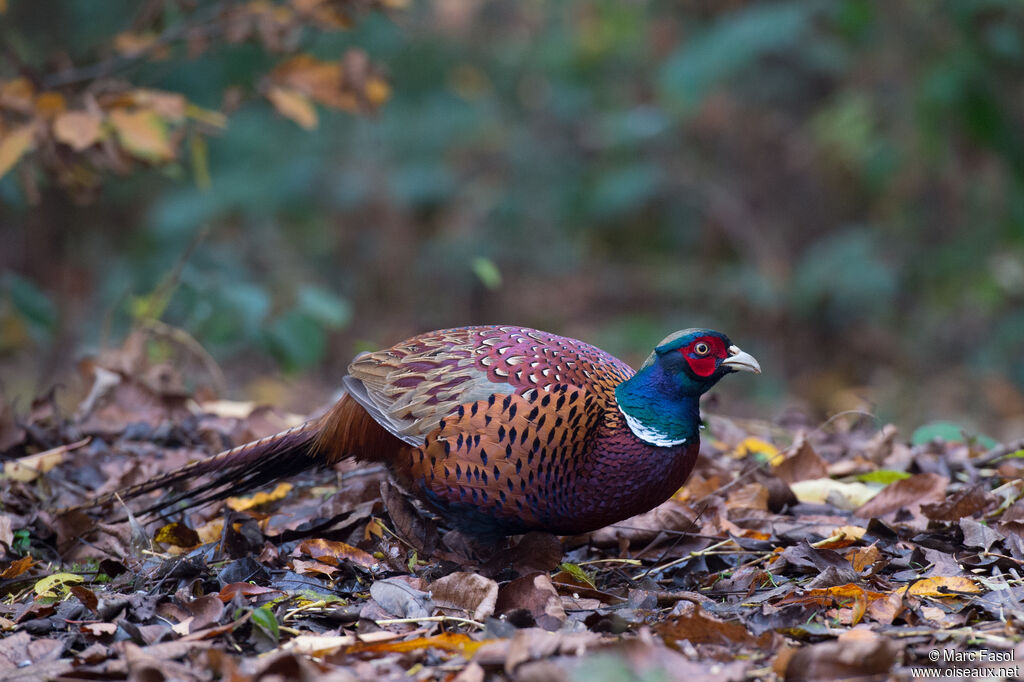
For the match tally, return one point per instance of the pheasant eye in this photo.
(701, 348)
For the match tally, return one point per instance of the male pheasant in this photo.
(500, 429)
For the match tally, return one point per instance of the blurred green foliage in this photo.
(836, 184)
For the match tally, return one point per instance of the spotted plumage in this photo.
(503, 429)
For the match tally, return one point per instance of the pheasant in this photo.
(499, 429)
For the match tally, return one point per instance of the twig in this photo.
(430, 619)
(692, 555)
(998, 452)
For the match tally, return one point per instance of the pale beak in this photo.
(740, 361)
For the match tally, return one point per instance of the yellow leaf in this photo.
(3, 6)
(77, 129)
(214, 119)
(294, 105)
(45, 587)
(143, 134)
(13, 146)
(178, 535)
(29, 468)
(756, 446)
(259, 499)
(943, 586)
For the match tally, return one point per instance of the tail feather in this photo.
(236, 471)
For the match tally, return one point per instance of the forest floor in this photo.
(796, 551)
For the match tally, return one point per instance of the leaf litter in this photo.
(800, 552)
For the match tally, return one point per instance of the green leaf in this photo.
(329, 310)
(265, 620)
(942, 430)
(883, 476)
(487, 272)
(577, 572)
(732, 43)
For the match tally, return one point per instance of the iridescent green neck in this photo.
(657, 409)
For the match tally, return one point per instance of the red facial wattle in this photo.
(704, 365)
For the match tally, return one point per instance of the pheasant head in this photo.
(660, 402)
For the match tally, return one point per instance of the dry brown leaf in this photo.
(468, 592)
(78, 129)
(334, 553)
(857, 653)
(534, 594)
(966, 502)
(908, 494)
(802, 464)
(697, 627)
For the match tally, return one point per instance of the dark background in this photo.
(836, 185)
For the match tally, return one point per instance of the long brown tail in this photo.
(236, 471)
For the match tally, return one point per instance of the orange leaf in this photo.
(308, 567)
(333, 552)
(863, 557)
(228, 592)
(943, 586)
(143, 134)
(77, 129)
(456, 642)
(259, 499)
(294, 105)
(13, 146)
(17, 567)
(49, 104)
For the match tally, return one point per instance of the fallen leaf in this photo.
(966, 502)
(906, 495)
(848, 496)
(468, 592)
(45, 587)
(401, 599)
(857, 655)
(943, 586)
(534, 594)
(335, 553)
(17, 567)
(28, 468)
(697, 627)
(455, 642)
(178, 535)
(228, 592)
(259, 499)
(802, 464)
